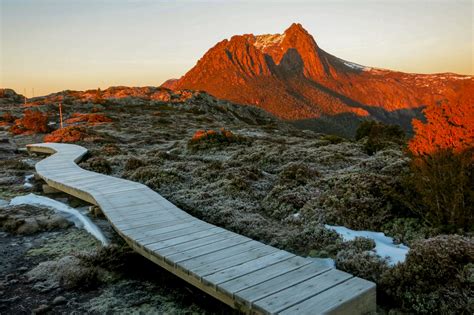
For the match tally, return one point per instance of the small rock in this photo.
(23, 269)
(59, 300)
(14, 281)
(43, 308)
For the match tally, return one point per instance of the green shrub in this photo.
(333, 139)
(362, 264)
(379, 136)
(133, 163)
(111, 149)
(357, 201)
(440, 188)
(314, 238)
(436, 278)
(297, 172)
(98, 164)
(203, 139)
(153, 176)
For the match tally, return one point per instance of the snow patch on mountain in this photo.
(268, 40)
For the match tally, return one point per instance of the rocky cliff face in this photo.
(290, 76)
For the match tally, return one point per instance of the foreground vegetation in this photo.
(269, 181)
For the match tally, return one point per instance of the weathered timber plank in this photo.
(293, 295)
(355, 296)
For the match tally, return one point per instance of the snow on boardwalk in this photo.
(245, 274)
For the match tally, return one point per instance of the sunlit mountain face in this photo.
(290, 76)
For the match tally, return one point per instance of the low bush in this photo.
(356, 201)
(283, 201)
(203, 139)
(33, 121)
(133, 163)
(153, 176)
(314, 238)
(436, 278)
(98, 164)
(67, 134)
(111, 149)
(297, 172)
(333, 139)
(362, 264)
(379, 136)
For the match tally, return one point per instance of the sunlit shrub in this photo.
(32, 122)
(67, 134)
(8, 117)
(209, 138)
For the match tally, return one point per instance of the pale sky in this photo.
(52, 45)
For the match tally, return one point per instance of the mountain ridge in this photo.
(290, 76)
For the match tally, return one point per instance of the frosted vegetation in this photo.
(289, 188)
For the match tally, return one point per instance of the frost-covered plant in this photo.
(437, 277)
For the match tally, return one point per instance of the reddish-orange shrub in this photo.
(210, 138)
(32, 121)
(92, 118)
(67, 134)
(447, 127)
(8, 117)
(201, 134)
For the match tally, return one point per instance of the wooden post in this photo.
(61, 115)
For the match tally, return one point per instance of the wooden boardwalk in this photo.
(245, 274)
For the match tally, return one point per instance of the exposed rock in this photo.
(43, 308)
(28, 219)
(59, 300)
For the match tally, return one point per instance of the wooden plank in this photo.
(154, 222)
(293, 295)
(203, 250)
(160, 244)
(144, 233)
(231, 261)
(274, 285)
(205, 260)
(195, 243)
(173, 234)
(144, 214)
(355, 296)
(264, 274)
(248, 267)
(119, 200)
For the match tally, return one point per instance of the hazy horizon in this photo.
(55, 45)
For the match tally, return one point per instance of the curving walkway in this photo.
(245, 274)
